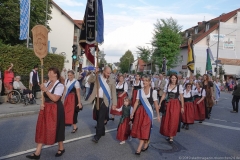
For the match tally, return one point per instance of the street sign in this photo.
(54, 49)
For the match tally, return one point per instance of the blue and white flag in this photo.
(217, 91)
(100, 22)
(24, 19)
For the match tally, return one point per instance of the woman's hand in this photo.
(131, 116)
(158, 118)
(198, 102)
(42, 107)
(182, 110)
(79, 105)
(43, 88)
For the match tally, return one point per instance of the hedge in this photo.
(24, 60)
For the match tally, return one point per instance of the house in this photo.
(63, 35)
(205, 34)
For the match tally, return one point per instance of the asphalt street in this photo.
(216, 138)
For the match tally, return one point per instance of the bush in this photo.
(24, 59)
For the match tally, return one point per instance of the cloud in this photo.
(211, 7)
(71, 3)
(75, 14)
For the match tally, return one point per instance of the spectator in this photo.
(18, 85)
(0, 84)
(81, 78)
(34, 80)
(64, 74)
(8, 79)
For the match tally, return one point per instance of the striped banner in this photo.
(24, 19)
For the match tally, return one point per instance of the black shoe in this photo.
(187, 127)
(200, 122)
(111, 119)
(183, 126)
(138, 153)
(34, 156)
(167, 139)
(95, 140)
(59, 154)
(144, 149)
(74, 130)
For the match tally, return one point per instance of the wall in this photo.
(61, 35)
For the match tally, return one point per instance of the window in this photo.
(196, 30)
(235, 19)
(207, 27)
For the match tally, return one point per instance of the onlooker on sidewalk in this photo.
(34, 80)
(8, 79)
(17, 84)
(0, 84)
(236, 97)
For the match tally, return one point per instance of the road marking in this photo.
(107, 131)
(221, 126)
(224, 120)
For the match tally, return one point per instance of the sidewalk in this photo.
(13, 110)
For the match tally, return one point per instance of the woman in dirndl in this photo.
(188, 115)
(121, 89)
(72, 101)
(51, 121)
(171, 118)
(143, 114)
(137, 84)
(199, 105)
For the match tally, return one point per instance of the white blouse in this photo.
(137, 84)
(154, 94)
(175, 89)
(68, 83)
(59, 88)
(195, 92)
(121, 86)
(187, 95)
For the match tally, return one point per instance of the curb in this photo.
(18, 114)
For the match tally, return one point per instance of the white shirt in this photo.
(18, 85)
(68, 83)
(121, 86)
(175, 89)
(100, 91)
(187, 95)
(59, 88)
(195, 92)
(137, 84)
(87, 84)
(152, 85)
(154, 94)
(31, 75)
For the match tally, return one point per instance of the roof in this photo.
(63, 12)
(213, 25)
(79, 22)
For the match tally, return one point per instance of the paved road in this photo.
(217, 137)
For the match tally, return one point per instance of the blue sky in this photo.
(129, 23)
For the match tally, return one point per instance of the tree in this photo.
(102, 62)
(10, 19)
(166, 42)
(144, 54)
(125, 61)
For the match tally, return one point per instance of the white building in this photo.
(63, 34)
(206, 34)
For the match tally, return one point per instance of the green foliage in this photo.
(10, 19)
(144, 54)
(125, 61)
(24, 59)
(166, 42)
(102, 62)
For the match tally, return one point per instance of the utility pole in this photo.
(218, 46)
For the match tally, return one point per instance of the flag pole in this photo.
(29, 7)
(97, 55)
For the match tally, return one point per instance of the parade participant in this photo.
(171, 119)
(209, 100)
(161, 86)
(8, 79)
(236, 97)
(87, 85)
(199, 104)
(51, 122)
(191, 81)
(121, 89)
(34, 80)
(107, 93)
(17, 84)
(180, 80)
(156, 82)
(217, 90)
(137, 84)
(124, 128)
(188, 115)
(143, 114)
(72, 100)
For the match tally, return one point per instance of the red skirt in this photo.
(69, 108)
(170, 121)
(199, 114)
(134, 96)
(123, 130)
(120, 102)
(141, 124)
(47, 124)
(188, 115)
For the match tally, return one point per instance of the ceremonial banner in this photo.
(208, 64)
(100, 22)
(191, 61)
(24, 19)
(89, 52)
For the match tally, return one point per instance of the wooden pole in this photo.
(97, 54)
(42, 79)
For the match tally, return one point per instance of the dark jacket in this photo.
(236, 91)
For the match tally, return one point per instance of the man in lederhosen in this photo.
(107, 94)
